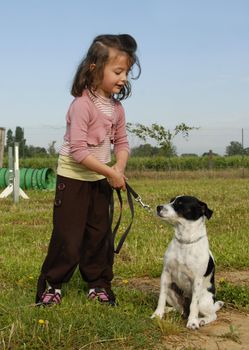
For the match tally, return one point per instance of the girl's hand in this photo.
(117, 180)
(114, 175)
(119, 169)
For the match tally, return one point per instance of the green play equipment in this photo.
(43, 178)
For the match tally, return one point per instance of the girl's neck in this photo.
(101, 95)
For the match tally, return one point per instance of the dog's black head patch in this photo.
(191, 208)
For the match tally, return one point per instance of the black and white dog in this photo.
(187, 280)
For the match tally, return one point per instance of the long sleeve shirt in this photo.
(90, 131)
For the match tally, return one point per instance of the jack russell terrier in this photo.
(187, 279)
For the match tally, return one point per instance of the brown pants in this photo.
(81, 235)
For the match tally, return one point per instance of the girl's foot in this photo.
(50, 297)
(102, 295)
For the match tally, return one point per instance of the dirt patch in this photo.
(236, 277)
(228, 332)
(153, 284)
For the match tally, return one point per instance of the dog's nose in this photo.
(159, 208)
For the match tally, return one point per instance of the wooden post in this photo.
(210, 159)
(243, 153)
(2, 142)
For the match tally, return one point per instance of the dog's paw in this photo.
(218, 305)
(202, 322)
(193, 324)
(158, 314)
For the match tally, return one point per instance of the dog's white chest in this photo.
(185, 262)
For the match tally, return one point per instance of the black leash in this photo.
(130, 193)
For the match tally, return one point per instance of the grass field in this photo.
(80, 324)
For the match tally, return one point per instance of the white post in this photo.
(16, 184)
(11, 165)
(14, 177)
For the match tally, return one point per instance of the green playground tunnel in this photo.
(38, 179)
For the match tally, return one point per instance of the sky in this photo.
(194, 56)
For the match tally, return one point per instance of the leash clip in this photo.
(145, 206)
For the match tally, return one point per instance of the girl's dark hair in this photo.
(98, 55)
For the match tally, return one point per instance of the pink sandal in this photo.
(102, 295)
(50, 297)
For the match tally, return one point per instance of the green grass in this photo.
(25, 230)
(234, 295)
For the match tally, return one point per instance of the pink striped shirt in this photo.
(93, 123)
(102, 150)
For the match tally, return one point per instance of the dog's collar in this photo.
(189, 242)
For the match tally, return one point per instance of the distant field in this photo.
(79, 324)
(156, 163)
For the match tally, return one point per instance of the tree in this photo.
(19, 137)
(10, 139)
(32, 151)
(28, 151)
(210, 153)
(51, 148)
(246, 151)
(235, 148)
(189, 155)
(145, 150)
(162, 136)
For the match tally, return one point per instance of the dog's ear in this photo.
(205, 210)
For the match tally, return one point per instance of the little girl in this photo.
(95, 120)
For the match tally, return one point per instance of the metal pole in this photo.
(16, 172)
(10, 165)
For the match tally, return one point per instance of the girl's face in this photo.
(115, 73)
